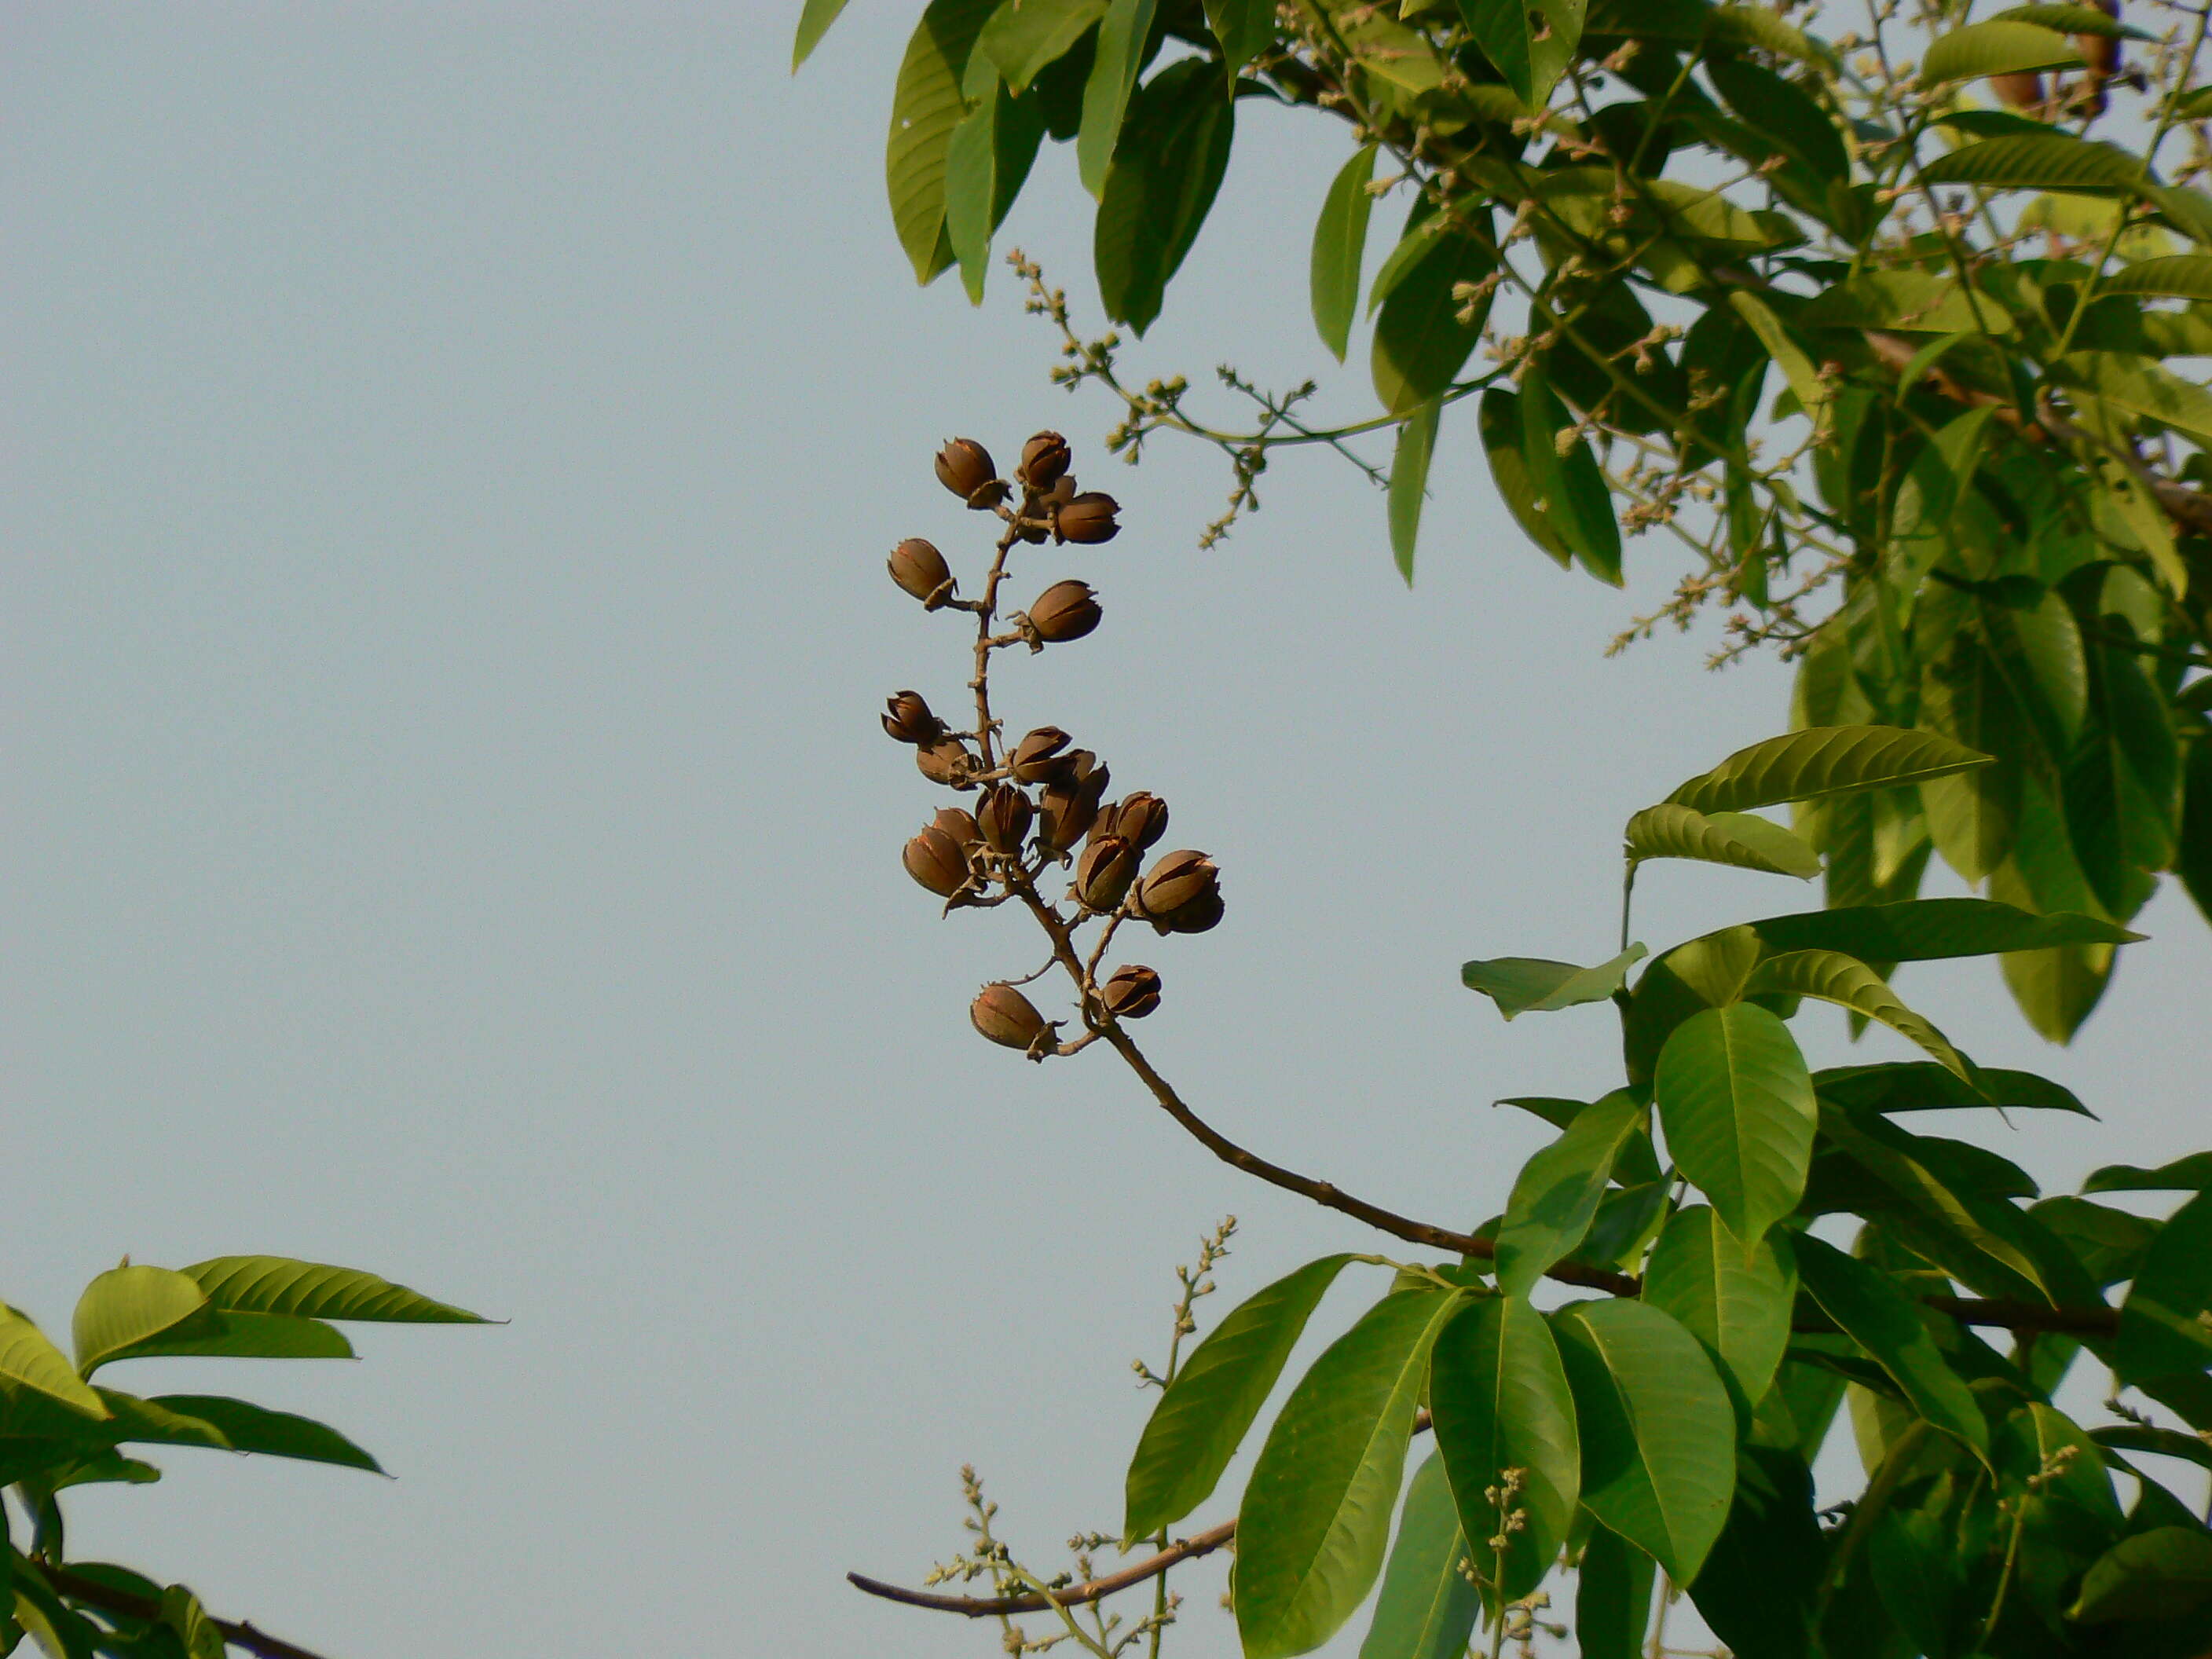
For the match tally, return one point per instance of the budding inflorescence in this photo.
(1040, 830)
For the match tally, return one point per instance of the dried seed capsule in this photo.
(1041, 757)
(1104, 871)
(2022, 91)
(1044, 459)
(2101, 53)
(1181, 893)
(1066, 610)
(958, 824)
(937, 861)
(1003, 816)
(908, 718)
(919, 569)
(1141, 819)
(1088, 517)
(1070, 803)
(1201, 913)
(1131, 993)
(1006, 1017)
(965, 468)
(947, 761)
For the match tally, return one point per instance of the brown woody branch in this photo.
(92, 1593)
(1075, 1595)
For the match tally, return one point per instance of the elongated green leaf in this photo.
(1421, 336)
(1742, 839)
(2053, 161)
(1736, 1303)
(986, 162)
(813, 23)
(1995, 47)
(28, 1360)
(1570, 488)
(1920, 1086)
(2159, 1443)
(1502, 442)
(1521, 985)
(2072, 20)
(1972, 817)
(1832, 976)
(1557, 1192)
(1245, 28)
(128, 1305)
(2162, 1330)
(1165, 173)
(278, 1285)
(1613, 1597)
(1316, 1514)
(1115, 66)
(1340, 243)
(1427, 1609)
(1530, 41)
(1736, 1101)
(148, 1422)
(925, 106)
(1023, 38)
(2184, 276)
(1823, 760)
(2190, 1174)
(2141, 386)
(1499, 1398)
(1789, 356)
(1638, 1165)
(1877, 1316)
(1929, 930)
(251, 1428)
(1409, 483)
(1658, 1434)
(2160, 1574)
(1783, 109)
(1203, 1415)
(245, 1336)
(1761, 1584)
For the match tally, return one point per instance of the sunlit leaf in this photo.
(1883, 1321)
(278, 1285)
(1735, 1302)
(925, 106)
(1742, 839)
(1340, 241)
(1995, 47)
(28, 1360)
(1557, 1192)
(1409, 483)
(1114, 67)
(1832, 976)
(2162, 1329)
(1427, 1609)
(128, 1305)
(1021, 39)
(813, 23)
(1521, 985)
(1736, 1101)
(1530, 41)
(1821, 762)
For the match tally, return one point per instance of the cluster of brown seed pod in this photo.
(1040, 804)
(2084, 96)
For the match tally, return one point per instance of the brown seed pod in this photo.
(2101, 53)
(919, 569)
(1045, 458)
(958, 823)
(2021, 91)
(1104, 871)
(937, 861)
(1180, 893)
(1066, 610)
(1141, 819)
(907, 718)
(1131, 993)
(965, 468)
(1088, 517)
(1006, 1017)
(1003, 816)
(1041, 757)
(947, 761)
(1070, 808)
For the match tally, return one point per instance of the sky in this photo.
(449, 453)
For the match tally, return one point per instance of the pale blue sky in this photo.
(451, 452)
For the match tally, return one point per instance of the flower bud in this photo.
(1006, 1017)
(958, 824)
(937, 861)
(2022, 90)
(1066, 610)
(965, 468)
(1141, 819)
(1003, 816)
(918, 568)
(1104, 871)
(1044, 459)
(1132, 992)
(1070, 803)
(1041, 757)
(947, 761)
(1181, 893)
(908, 718)
(1088, 517)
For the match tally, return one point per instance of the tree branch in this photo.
(105, 1597)
(1075, 1595)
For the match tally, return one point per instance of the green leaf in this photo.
(2050, 162)
(2072, 20)
(985, 164)
(1638, 1165)
(1821, 762)
(245, 1336)
(1339, 243)
(1930, 930)
(1022, 38)
(2141, 386)
(1202, 1416)
(1613, 1598)
(129, 1305)
(1736, 1101)
(1530, 41)
(1499, 1398)
(184, 1616)
(1522, 985)
(1736, 1304)
(813, 23)
(1245, 28)
(1420, 341)
(278, 1285)
(1501, 437)
(1115, 67)
(1784, 111)
(1166, 170)
(1832, 976)
(1919, 1086)
(2162, 1329)
(1570, 488)
(1316, 1514)
(150, 1423)
(2191, 1173)
(1558, 1190)
(925, 106)
(1427, 1609)
(1409, 483)
(1995, 47)
(1658, 1434)
(251, 1428)
(2159, 1443)
(1877, 1316)
(1789, 356)
(28, 1360)
(2160, 1574)
(1749, 842)
(2184, 276)
(1761, 1584)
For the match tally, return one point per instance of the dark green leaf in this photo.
(2038, 162)
(1995, 47)
(1245, 28)
(1316, 1516)
(2191, 1173)
(1570, 488)
(1123, 35)
(1427, 1607)
(1920, 1086)
(1883, 1321)
(1784, 111)
(1023, 38)
(1340, 243)
(2162, 1330)
(1203, 1415)
(251, 1428)
(1737, 1304)
(1758, 1586)
(1613, 1598)
(985, 164)
(1501, 441)
(1929, 930)
(278, 1285)
(1421, 340)
(1658, 1434)
(2159, 1574)
(1742, 839)
(1736, 1101)
(1500, 1400)
(1824, 761)
(1409, 483)
(1169, 165)
(1558, 1191)
(925, 106)
(2160, 1443)
(2184, 276)
(1521, 985)
(813, 23)
(1530, 41)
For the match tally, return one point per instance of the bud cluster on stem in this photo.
(1040, 818)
